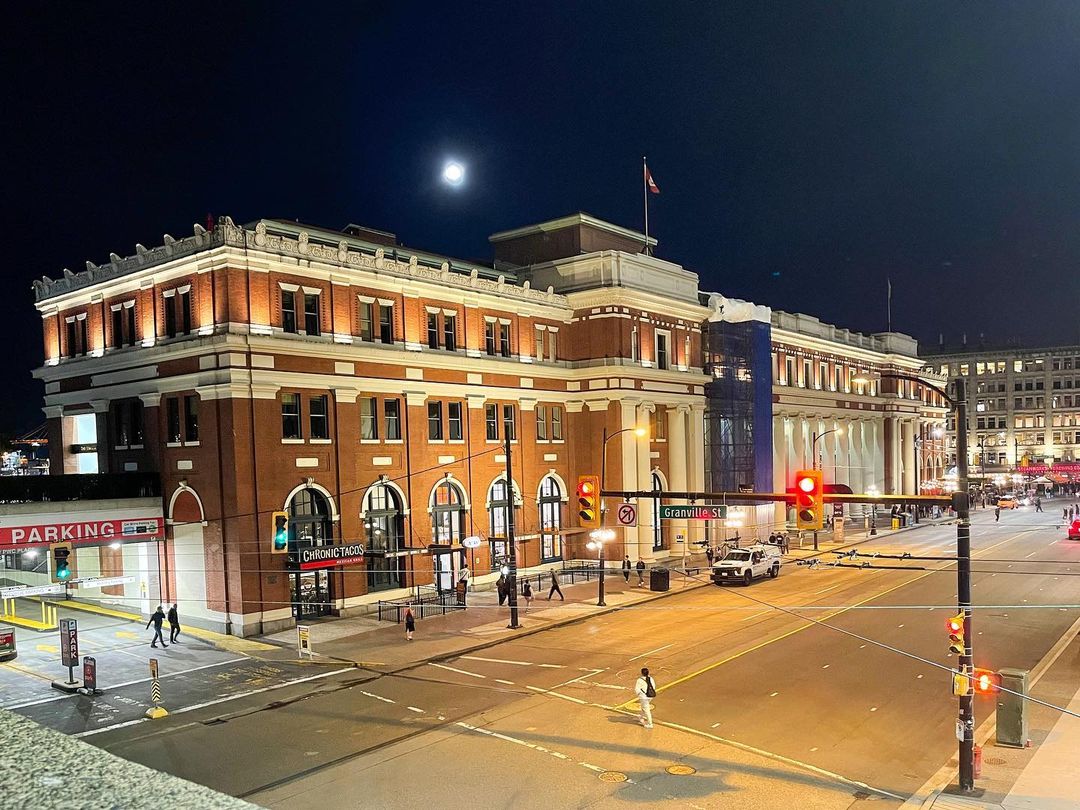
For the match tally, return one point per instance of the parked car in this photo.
(747, 564)
(1008, 502)
(1074, 530)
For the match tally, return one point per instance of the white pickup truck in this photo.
(747, 564)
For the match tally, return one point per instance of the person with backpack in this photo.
(526, 591)
(645, 690)
(410, 624)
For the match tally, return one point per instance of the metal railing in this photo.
(424, 603)
(97, 486)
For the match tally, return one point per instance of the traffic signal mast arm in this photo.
(735, 497)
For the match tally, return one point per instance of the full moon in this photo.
(453, 173)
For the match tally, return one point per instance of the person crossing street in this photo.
(156, 619)
(555, 589)
(645, 690)
(174, 625)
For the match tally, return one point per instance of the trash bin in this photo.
(659, 579)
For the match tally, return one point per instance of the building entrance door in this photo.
(311, 594)
(310, 525)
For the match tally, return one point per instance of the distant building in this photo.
(1023, 408)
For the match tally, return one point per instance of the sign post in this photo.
(303, 641)
(89, 676)
(157, 710)
(626, 514)
(69, 655)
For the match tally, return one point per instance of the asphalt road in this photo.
(768, 709)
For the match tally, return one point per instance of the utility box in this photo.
(659, 579)
(1012, 717)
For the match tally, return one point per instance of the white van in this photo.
(747, 564)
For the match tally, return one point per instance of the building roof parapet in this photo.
(289, 239)
(884, 342)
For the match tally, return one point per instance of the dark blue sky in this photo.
(805, 151)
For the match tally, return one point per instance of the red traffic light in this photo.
(806, 484)
(955, 624)
(986, 681)
(585, 488)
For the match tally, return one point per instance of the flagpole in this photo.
(645, 192)
(889, 304)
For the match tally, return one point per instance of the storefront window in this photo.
(448, 513)
(498, 509)
(310, 524)
(384, 525)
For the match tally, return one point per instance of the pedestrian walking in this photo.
(645, 690)
(1038, 505)
(501, 587)
(640, 572)
(174, 625)
(1064, 514)
(783, 542)
(410, 624)
(997, 514)
(555, 589)
(526, 591)
(709, 554)
(626, 568)
(156, 619)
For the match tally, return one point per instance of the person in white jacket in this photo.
(645, 689)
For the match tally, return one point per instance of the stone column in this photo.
(696, 463)
(678, 468)
(646, 528)
(781, 460)
(622, 453)
(843, 463)
(911, 472)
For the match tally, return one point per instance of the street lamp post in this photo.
(873, 491)
(813, 446)
(966, 722)
(637, 431)
(599, 538)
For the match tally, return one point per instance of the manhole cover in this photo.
(994, 761)
(680, 770)
(612, 776)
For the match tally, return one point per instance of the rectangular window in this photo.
(369, 418)
(539, 337)
(662, 350)
(660, 425)
(120, 425)
(191, 418)
(392, 418)
(434, 421)
(184, 302)
(504, 339)
(136, 416)
(290, 416)
(633, 345)
(556, 423)
(117, 328)
(541, 423)
(491, 422)
(170, 315)
(69, 349)
(172, 420)
(433, 330)
(129, 339)
(311, 313)
(453, 414)
(386, 323)
(84, 340)
(552, 346)
(288, 311)
(449, 332)
(509, 424)
(366, 327)
(317, 416)
(489, 338)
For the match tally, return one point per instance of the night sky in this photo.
(805, 151)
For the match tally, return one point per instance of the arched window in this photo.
(447, 513)
(384, 528)
(310, 524)
(658, 534)
(499, 514)
(550, 505)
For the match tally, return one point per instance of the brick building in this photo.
(366, 389)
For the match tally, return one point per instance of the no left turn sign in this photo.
(626, 514)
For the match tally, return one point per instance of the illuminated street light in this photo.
(598, 538)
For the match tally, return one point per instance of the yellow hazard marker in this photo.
(157, 711)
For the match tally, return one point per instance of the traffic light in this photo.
(986, 681)
(809, 499)
(955, 626)
(960, 684)
(63, 562)
(588, 497)
(280, 544)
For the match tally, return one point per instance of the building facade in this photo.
(1023, 408)
(368, 390)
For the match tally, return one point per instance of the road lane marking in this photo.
(815, 623)
(556, 694)
(497, 661)
(500, 680)
(781, 758)
(831, 587)
(651, 652)
(459, 671)
(414, 709)
(196, 706)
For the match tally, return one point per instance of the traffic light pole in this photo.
(512, 563)
(963, 586)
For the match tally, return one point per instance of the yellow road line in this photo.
(810, 624)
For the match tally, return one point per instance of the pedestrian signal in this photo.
(280, 536)
(809, 499)
(960, 684)
(588, 495)
(955, 626)
(63, 562)
(987, 682)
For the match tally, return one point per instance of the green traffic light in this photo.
(63, 572)
(281, 540)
